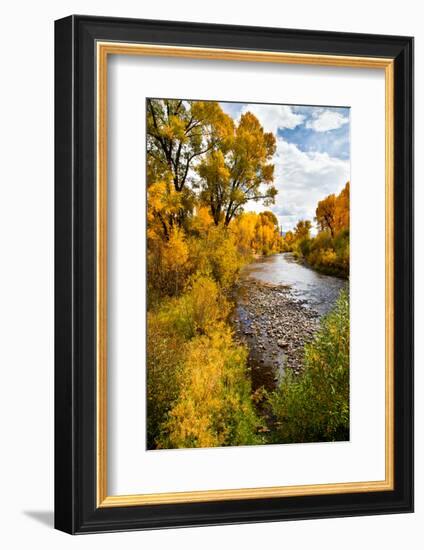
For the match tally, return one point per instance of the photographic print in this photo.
(218, 357)
(247, 273)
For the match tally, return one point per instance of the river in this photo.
(279, 302)
(315, 290)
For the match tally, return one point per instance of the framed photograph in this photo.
(234, 274)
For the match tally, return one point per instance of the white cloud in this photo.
(232, 109)
(273, 117)
(326, 120)
(303, 179)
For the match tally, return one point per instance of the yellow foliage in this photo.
(167, 263)
(257, 233)
(214, 407)
(332, 213)
(329, 250)
(243, 228)
(239, 170)
(175, 252)
(302, 230)
(342, 213)
(328, 256)
(215, 252)
(198, 390)
(164, 205)
(207, 303)
(175, 129)
(202, 221)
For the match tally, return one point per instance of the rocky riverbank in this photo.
(275, 327)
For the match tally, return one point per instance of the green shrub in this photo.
(314, 405)
(305, 246)
(164, 356)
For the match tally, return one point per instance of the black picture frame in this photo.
(76, 510)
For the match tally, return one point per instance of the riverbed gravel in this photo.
(275, 326)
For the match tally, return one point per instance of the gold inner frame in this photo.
(104, 49)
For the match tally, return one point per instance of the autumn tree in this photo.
(342, 217)
(239, 170)
(329, 250)
(270, 218)
(332, 213)
(325, 214)
(165, 205)
(302, 230)
(289, 238)
(178, 132)
(267, 238)
(244, 229)
(215, 183)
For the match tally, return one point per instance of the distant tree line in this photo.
(328, 251)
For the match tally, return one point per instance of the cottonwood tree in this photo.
(267, 233)
(325, 214)
(178, 132)
(332, 213)
(302, 230)
(238, 170)
(342, 214)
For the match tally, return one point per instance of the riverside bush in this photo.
(214, 407)
(198, 387)
(327, 252)
(314, 405)
(165, 347)
(215, 252)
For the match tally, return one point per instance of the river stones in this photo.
(282, 343)
(275, 327)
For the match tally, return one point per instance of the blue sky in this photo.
(312, 158)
